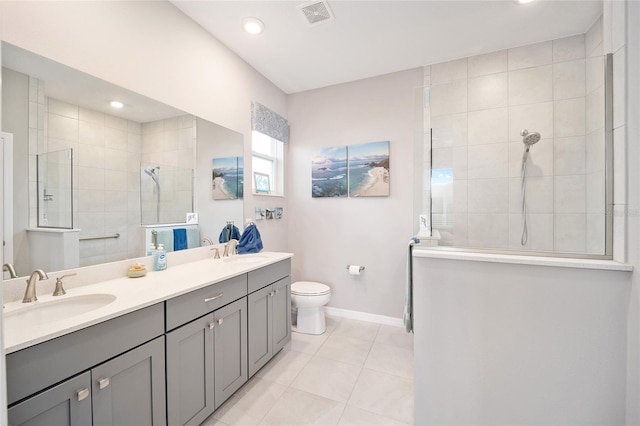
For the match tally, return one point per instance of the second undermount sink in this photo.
(245, 258)
(39, 313)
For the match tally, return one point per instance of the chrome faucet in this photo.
(216, 253)
(233, 245)
(12, 271)
(208, 241)
(30, 292)
(59, 291)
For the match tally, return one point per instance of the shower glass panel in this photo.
(55, 194)
(520, 158)
(166, 193)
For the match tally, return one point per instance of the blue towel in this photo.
(250, 242)
(193, 237)
(179, 239)
(228, 233)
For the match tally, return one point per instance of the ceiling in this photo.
(370, 38)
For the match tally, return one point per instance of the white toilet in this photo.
(308, 298)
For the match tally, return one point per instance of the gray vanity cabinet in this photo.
(269, 322)
(190, 386)
(66, 404)
(130, 389)
(206, 363)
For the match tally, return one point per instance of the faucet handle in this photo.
(59, 291)
(216, 253)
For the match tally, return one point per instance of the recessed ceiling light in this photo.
(524, 1)
(116, 104)
(253, 25)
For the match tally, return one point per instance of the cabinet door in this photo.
(68, 403)
(281, 313)
(130, 389)
(190, 372)
(230, 349)
(260, 325)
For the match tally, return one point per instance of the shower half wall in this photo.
(478, 107)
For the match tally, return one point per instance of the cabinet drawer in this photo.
(187, 307)
(268, 275)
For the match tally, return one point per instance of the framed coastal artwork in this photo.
(329, 173)
(368, 168)
(262, 183)
(227, 178)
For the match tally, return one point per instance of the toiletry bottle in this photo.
(151, 251)
(160, 263)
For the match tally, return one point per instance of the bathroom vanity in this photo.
(171, 353)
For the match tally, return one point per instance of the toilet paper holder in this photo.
(361, 268)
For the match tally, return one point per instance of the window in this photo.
(268, 158)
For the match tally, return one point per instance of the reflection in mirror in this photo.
(55, 197)
(52, 107)
(166, 193)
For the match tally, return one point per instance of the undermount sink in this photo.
(38, 313)
(245, 258)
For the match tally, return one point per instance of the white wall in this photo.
(168, 58)
(518, 344)
(633, 199)
(327, 234)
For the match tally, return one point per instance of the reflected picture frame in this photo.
(262, 183)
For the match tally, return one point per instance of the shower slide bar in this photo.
(100, 237)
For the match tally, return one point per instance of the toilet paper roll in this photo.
(354, 269)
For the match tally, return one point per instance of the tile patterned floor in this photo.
(356, 373)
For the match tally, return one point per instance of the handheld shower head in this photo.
(529, 138)
(151, 170)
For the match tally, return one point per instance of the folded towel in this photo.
(179, 239)
(250, 241)
(165, 237)
(193, 237)
(408, 296)
(228, 233)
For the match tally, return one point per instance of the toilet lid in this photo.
(309, 288)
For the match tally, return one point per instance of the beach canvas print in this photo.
(329, 173)
(227, 178)
(369, 169)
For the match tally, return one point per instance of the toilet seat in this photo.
(309, 288)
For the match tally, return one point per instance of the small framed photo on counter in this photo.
(262, 183)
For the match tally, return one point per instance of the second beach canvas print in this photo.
(369, 169)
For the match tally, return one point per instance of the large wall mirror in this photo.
(143, 164)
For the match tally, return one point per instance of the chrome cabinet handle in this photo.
(103, 383)
(212, 325)
(83, 394)
(211, 299)
(220, 321)
(271, 294)
(277, 290)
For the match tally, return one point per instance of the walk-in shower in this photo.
(154, 173)
(480, 191)
(529, 139)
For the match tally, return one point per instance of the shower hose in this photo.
(523, 175)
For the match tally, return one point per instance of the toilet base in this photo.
(311, 320)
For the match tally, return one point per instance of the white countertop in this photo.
(131, 294)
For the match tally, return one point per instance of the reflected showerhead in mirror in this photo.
(151, 170)
(529, 138)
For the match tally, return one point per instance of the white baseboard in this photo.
(363, 316)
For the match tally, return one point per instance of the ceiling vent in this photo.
(316, 12)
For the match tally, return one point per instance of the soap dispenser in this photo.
(160, 259)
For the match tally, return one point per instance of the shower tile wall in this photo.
(169, 143)
(106, 182)
(478, 106)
